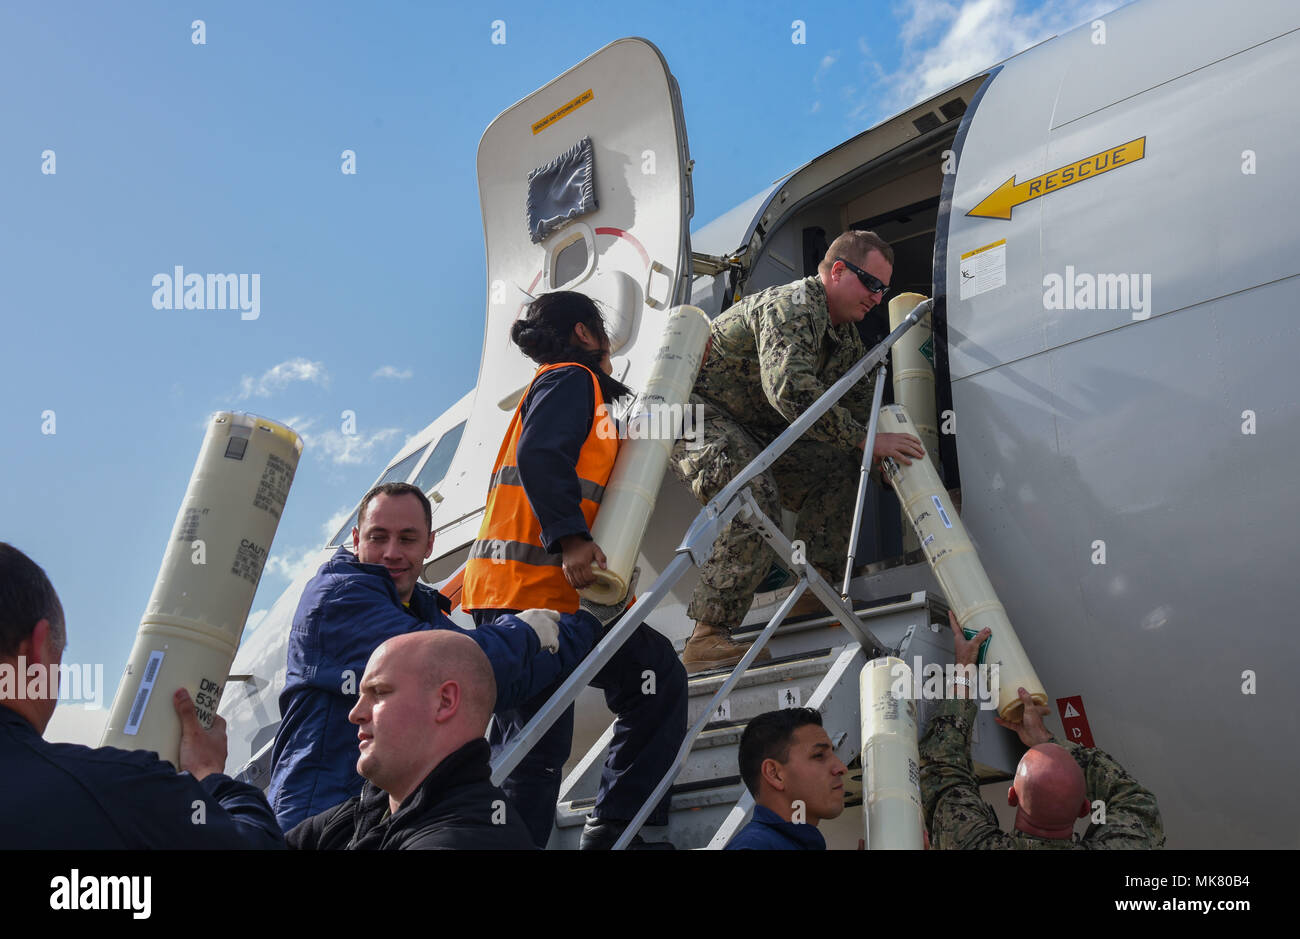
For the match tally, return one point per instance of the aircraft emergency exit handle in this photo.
(650, 301)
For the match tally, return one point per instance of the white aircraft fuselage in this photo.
(1108, 225)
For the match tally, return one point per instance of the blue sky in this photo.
(225, 157)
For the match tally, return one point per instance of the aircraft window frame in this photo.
(566, 266)
(341, 537)
(459, 432)
(407, 463)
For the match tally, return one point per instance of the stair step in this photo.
(759, 689)
(695, 813)
(694, 818)
(708, 785)
(886, 617)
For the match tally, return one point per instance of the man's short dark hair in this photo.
(768, 737)
(26, 598)
(855, 245)
(396, 489)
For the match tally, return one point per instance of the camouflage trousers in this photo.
(815, 479)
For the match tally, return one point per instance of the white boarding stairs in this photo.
(816, 663)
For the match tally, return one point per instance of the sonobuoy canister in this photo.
(210, 570)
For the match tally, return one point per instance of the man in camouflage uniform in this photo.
(1053, 786)
(773, 354)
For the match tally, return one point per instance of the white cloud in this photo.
(947, 41)
(825, 65)
(301, 424)
(923, 16)
(349, 449)
(392, 371)
(290, 564)
(281, 375)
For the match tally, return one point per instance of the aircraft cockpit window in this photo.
(395, 473)
(344, 535)
(398, 472)
(440, 459)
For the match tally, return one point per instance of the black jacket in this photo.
(455, 808)
(67, 797)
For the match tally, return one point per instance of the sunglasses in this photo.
(873, 284)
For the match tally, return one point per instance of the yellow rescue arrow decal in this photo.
(1000, 202)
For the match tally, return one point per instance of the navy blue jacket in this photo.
(557, 418)
(62, 796)
(768, 831)
(346, 611)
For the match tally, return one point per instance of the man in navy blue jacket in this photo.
(790, 767)
(62, 796)
(358, 601)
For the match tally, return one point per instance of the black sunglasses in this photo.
(873, 284)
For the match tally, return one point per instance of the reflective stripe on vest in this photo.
(509, 476)
(508, 568)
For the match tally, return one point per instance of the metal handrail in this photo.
(734, 499)
(718, 696)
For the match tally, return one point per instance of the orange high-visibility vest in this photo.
(508, 569)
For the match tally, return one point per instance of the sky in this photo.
(226, 156)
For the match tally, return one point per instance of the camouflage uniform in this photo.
(958, 818)
(774, 354)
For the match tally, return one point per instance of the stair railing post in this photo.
(864, 475)
(665, 783)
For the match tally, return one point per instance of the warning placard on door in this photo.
(984, 269)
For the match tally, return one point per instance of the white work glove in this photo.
(607, 613)
(546, 623)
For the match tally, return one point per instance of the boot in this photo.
(712, 647)
(599, 834)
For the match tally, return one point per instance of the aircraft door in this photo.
(585, 186)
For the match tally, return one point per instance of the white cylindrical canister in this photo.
(913, 371)
(891, 764)
(660, 414)
(957, 567)
(210, 571)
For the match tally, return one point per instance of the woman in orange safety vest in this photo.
(535, 550)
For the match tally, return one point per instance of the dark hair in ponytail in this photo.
(545, 332)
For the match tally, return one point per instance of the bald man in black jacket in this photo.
(425, 702)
